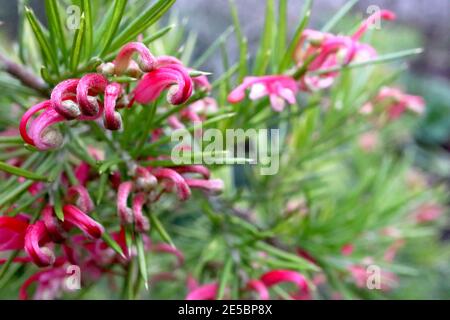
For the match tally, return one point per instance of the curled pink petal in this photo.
(146, 60)
(155, 82)
(111, 118)
(125, 212)
(60, 99)
(212, 186)
(379, 15)
(175, 123)
(12, 233)
(140, 221)
(204, 292)
(198, 169)
(275, 277)
(145, 181)
(55, 230)
(41, 132)
(276, 86)
(163, 61)
(260, 288)
(88, 87)
(183, 190)
(167, 248)
(75, 217)
(80, 196)
(26, 117)
(35, 237)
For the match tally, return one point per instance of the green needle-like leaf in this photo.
(89, 28)
(267, 37)
(40, 33)
(142, 22)
(142, 259)
(298, 33)
(160, 229)
(112, 24)
(339, 15)
(77, 45)
(57, 36)
(224, 277)
(22, 172)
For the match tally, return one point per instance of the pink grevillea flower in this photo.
(377, 16)
(428, 213)
(398, 102)
(211, 186)
(146, 60)
(40, 133)
(275, 277)
(54, 228)
(61, 101)
(166, 248)
(174, 179)
(80, 196)
(75, 217)
(191, 169)
(173, 77)
(140, 221)
(260, 288)
(278, 88)
(325, 50)
(35, 239)
(204, 292)
(50, 283)
(12, 232)
(347, 249)
(145, 181)
(111, 118)
(88, 87)
(125, 212)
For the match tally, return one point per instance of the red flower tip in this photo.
(80, 196)
(175, 179)
(12, 232)
(89, 86)
(141, 222)
(173, 77)
(125, 213)
(275, 277)
(146, 60)
(205, 292)
(54, 228)
(35, 237)
(260, 288)
(75, 217)
(60, 96)
(167, 248)
(112, 119)
(379, 15)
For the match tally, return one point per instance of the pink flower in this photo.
(74, 216)
(125, 212)
(260, 288)
(175, 179)
(88, 87)
(275, 277)
(12, 232)
(428, 213)
(55, 230)
(347, 249)
(40, 133)
(112, 119)
(173, 76)
(368, 141)
(62, 96)
(397, 102)
(140, 221)
(278, 88)
(204, 292)
(146, 60)
(80, 196)
(50, 284)
(212, 186)
(379, 15)
(35, 239)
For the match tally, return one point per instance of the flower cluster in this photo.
(316, 51)
(93, 96)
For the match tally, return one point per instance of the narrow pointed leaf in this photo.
(22, 172)
(112, 25)
(77, 45)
